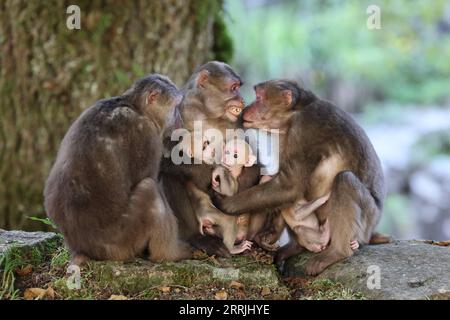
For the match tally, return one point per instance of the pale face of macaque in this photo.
(237, 153)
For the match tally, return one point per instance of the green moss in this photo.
(325, 289)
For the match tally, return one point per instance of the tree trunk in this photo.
(49, 74)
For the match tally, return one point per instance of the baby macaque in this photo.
(211, 221)
(236, 155)
(215, 223)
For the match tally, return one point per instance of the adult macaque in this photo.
(322, 150)
(102, 191)
(211, 96)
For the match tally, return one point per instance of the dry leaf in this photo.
(439, 243)
(265, 291)
(164, 289)
(236, 285)
(117, 297)
(199, 255)
(39, 293)
(221, 295)
(22, 272)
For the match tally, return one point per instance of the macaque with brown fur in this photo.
(215, 223)
(211, 95)
(211, 221)
(102, 191)
(322, 150)
(301, 218)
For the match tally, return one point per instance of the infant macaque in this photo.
(211, 220)
(236, 155)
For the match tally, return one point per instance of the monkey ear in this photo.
(251, 160)
(151, 97)
(202, 78)
(287, 97)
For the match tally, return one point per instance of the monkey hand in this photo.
(354, 245)
(241, 247)
(213, 246)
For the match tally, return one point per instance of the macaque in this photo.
(236, 155)
(322, 150)
(211, 95)
(102, 191)
(215, 223)
(211, 220)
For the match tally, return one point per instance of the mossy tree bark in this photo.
(49, 74)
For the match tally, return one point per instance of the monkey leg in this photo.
(352, 214)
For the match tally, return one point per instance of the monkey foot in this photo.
(320, 262)
(354, 245)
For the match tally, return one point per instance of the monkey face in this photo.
(237, 152)
(220, 87)
(274, 101)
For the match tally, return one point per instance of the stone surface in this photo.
(408, 270)
(16, 238)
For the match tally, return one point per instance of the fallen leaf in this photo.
(236, 285)
(177, 290)
(445, 243)
(199, 255)
(117, 297)
(39, 293)
(22, 272)
(221, 295)
(265, 291)
(164, 289)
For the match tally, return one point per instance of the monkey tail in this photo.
(378, 238)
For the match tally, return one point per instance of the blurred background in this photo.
(395, 80)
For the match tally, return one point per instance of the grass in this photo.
(46, 268)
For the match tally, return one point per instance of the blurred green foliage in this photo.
(407, 60)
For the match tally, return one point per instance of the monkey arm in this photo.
(274, 194)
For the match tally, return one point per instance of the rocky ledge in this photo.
(34, 265)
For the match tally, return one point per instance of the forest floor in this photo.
(41, 273)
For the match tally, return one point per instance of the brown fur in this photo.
(102, 191)
(317, 134)
(208, 96)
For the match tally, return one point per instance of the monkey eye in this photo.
(235, 156)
